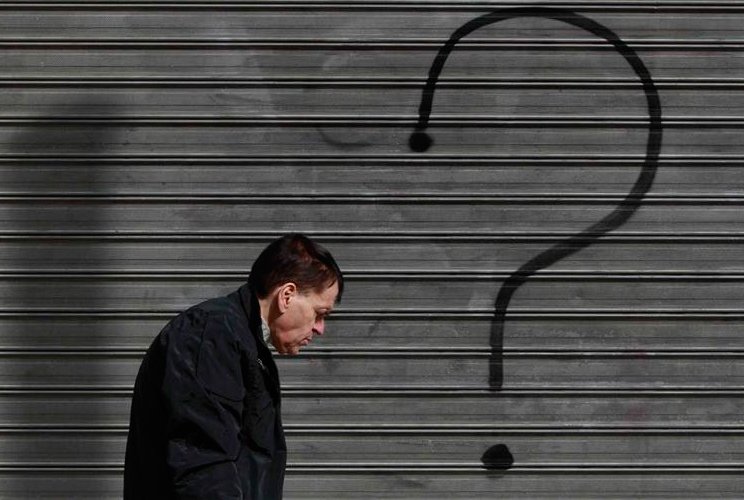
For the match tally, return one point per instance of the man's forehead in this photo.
(327, 297)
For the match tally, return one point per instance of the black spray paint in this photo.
(498, 456)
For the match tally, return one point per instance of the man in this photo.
(206, 420)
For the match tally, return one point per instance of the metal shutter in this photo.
(149, 150)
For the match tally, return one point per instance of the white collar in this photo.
(266, 333)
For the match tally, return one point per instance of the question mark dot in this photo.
(420, 141)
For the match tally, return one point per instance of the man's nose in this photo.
(319, 327)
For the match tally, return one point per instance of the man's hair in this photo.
(298, 259)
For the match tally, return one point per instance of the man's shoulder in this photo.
(228, 305)
(221, 313)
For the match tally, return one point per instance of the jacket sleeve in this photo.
(203, 391)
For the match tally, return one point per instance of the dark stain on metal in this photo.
(498, 456)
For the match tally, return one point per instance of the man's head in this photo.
(297, 283)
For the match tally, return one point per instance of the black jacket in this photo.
(205, 420)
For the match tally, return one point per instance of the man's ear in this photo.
(284, 296)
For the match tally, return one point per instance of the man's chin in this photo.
(289, 351)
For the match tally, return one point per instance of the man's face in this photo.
(303, 318)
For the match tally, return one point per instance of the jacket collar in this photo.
(249, 301)
(252, 308)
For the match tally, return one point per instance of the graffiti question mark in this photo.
(498, 456)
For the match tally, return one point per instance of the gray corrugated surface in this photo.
(149, 150)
